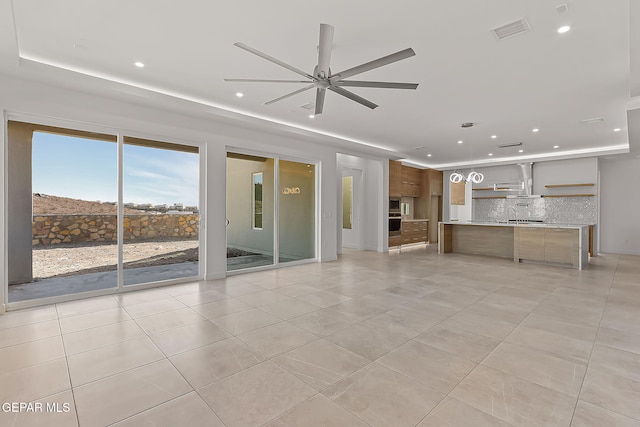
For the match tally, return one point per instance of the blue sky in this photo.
(87, 169)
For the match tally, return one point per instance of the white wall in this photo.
(4, 278)
(48, 104)
(620, 205)
(575, 171)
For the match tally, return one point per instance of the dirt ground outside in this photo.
(93, 258)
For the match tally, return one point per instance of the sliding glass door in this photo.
(161, 217)
(250, 211)
(67, 233)
(271, 211)
(297, 211)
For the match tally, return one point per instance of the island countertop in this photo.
(559, 244)
(518, 224)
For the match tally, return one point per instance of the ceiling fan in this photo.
(322, 78)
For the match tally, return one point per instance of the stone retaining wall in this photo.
(56, 229)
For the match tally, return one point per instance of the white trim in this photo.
(4, 252)
(120, 219)
(253, 201)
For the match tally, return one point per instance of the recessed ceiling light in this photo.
(138, 64)
(428, 155)
(460, 142)
(564, 29)
(494, 136)
(617, 130)
(535, 130)
(239, 94)
(556, 146)
(490, 154)
(311, 116)
(520, 151)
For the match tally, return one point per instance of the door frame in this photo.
(276, 236)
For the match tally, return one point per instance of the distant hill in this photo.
(44, 204)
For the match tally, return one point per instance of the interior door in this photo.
(351, 208)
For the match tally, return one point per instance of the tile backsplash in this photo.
(558, 210)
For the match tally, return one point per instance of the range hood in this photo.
(526, 171)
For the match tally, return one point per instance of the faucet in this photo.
(515, 213)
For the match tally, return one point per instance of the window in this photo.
(256, 206)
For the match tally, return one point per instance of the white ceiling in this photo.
(540, 79)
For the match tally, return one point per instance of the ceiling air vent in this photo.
(592, 121)
(515, 144)
(513, 29)
(563, 8)
(308, 106)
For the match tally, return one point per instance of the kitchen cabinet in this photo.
(411, 181)
(435, 182)
(557, 245)
(560, 245)
(395, 241)
(414, 231)
(529, 243)
(395, 178)
(458, 190)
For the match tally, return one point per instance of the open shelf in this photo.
(568, 185)
(568, 195)
(491, 197)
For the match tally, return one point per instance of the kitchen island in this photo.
(557, 244)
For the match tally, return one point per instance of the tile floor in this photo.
(411, 339)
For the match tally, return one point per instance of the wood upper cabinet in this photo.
(458, 190)
(411, 181)
(395, 178)
(435, 182)
(404, 180)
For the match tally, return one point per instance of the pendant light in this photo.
(475, 177)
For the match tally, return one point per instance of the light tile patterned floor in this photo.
(411, 339)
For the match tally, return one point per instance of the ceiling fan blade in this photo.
(266, 81)
(352, 96)
(272, 59)
(320, 93)
(295, 92)
(324, 50)
(376, 63)
(385, 85)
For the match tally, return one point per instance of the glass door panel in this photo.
(347, 202)
(250, 211)
(296, 211)
(161, 214)
(62, 212)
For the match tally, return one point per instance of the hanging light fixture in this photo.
(475, 177)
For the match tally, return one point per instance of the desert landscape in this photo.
(90, 257)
